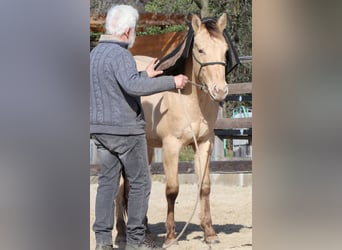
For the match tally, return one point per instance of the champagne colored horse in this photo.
(170, 127)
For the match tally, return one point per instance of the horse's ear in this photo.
(222, 22)
(196, 22)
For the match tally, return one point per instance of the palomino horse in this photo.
(167, 125)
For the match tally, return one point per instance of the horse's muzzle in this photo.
(218, 94)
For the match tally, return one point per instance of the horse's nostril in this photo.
(219, 91)
(226, 90)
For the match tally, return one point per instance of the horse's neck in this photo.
(197, 100)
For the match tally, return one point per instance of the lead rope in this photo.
(200, 182)
(204, 88)
(200, 86)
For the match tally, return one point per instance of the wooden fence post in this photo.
(218, 151)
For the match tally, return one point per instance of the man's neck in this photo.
(106, 37)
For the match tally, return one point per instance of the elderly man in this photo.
(117, 125)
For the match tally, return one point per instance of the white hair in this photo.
(119, 18)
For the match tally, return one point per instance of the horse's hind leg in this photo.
(150, 152)
(121, 203)
(202, 159)
(121, 211)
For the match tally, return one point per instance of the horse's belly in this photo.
(153, 112)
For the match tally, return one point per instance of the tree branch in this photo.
(204, 7)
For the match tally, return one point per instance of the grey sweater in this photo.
(115, 90)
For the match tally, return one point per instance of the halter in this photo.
(204, 86)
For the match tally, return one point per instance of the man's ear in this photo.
(127, 32)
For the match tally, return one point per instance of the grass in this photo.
(186, 154)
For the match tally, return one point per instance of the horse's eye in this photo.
(201, 51)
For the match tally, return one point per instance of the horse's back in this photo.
(142, 61)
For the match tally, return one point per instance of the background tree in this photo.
(203, 5)
(169, 7)
(101, 6)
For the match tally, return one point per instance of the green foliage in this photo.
(239, 21)
(168, 7)
(186, 154)
(152, 30)
(95, 35)
(94, 38)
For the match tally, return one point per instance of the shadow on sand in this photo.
(158, 230)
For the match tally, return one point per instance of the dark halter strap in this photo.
(207, 64)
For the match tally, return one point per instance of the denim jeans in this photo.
(119, 153)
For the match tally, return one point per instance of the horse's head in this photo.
(209, 55)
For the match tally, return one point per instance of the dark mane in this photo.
(210, 25)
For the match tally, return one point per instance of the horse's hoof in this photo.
(120, 239)
(170, 242)
(212, 240)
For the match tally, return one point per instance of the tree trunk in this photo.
(204, 6)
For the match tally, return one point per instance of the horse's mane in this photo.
(211, 26)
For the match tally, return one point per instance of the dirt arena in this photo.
(231, 209)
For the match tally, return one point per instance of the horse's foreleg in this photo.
(202, 159)
(170, 160)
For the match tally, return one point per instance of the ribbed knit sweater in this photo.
(116, 87)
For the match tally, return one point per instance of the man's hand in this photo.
(150, 69)
(180, 81)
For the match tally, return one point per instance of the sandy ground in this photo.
(231, 210)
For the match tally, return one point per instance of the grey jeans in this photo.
(117, 153)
